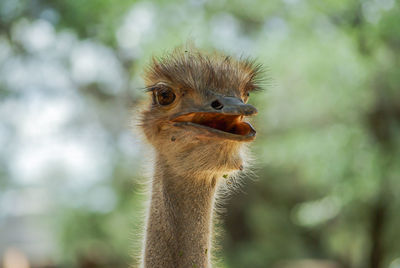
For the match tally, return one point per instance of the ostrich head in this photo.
(196, 120)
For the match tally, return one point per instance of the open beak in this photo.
(222, 119)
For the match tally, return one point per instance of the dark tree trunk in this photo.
(378, 218)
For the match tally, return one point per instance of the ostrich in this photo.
(195, 123)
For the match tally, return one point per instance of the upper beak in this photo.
(233, 106)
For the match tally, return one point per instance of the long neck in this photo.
(180, 216)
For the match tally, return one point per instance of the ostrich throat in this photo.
(180, 219)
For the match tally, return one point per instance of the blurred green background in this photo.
(325, 192)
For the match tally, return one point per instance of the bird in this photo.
(196, 121)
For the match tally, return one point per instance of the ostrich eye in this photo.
(165, 96)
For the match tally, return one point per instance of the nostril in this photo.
(217, 105)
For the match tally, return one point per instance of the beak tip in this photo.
(252, 111)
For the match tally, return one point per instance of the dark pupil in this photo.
(165, 97)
